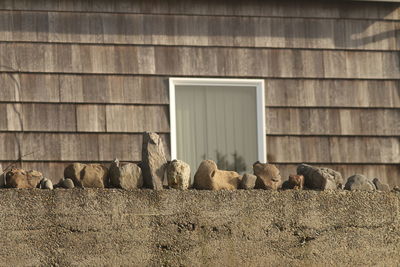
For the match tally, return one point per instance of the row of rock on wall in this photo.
(156, 173)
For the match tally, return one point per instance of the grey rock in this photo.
(178, 175)
(359, 182)
(46, 184)
(153, 161)
(65, 183)
(248, 181)
(125, 175)
(396, 189)
(320, 178)
(380, 186)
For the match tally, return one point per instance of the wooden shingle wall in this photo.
(80, 80)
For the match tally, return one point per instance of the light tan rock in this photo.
(125, 175)
(208, 177)
(19, 178)
(178, 175)
(87, 175)
(268, 176)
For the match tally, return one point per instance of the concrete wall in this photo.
(193, 228)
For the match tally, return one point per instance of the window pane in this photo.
(218, 123)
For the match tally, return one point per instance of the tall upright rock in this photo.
(154, 161)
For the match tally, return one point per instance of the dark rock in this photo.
(154, 161)
(320, 178)
(294, 182)
(178, 175)
(359, 182)
(208, 177)
(268, 176)
(381, 186)
(2, 177)
(396, 189)
(87, 175)
(125, 175)
(248, 181)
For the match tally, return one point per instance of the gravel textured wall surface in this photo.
(194, 228)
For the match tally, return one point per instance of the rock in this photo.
(45, 184)
(178, 175)
(380, 186)
(396, 189)
(154, 161)
(208, 177)
(2, 177)
(87, 175)
(65, 183)
(359, 182)
(248, 181)
(294, 182)
(320, 178)
(19, 178)
(268, 176)
(125, 175)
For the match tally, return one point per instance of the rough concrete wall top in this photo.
(147, 228)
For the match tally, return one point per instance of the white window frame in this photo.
(259, 85)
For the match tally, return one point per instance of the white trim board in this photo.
(259, 85)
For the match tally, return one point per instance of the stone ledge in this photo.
(224, 228)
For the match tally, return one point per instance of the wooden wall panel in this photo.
(69, 88)
(103, 28)
(323, 121)
(332, 93)
(386, 173)
(84, 118)
(318, 149)
(39, 117)
(23, 87)
(192, 61)
(137, 118)
(91, 118)
(73, 147)
(322, 9)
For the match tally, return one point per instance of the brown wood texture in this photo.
(121, 89)
(293, 8)
(84, 118)
(320, 149)
(328, 121)
(182, 30)
(198, 61)
(386, 173)
(332, 93)
(73, 147)
(54, 88)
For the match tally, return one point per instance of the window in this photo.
(218, 119)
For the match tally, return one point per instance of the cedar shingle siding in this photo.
(81, 80)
